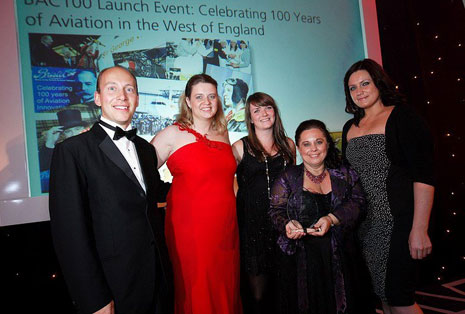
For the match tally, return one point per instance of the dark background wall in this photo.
(423, 49)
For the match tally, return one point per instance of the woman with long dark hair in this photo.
(391, 149)
(261, 156)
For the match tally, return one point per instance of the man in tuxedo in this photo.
(106, 227)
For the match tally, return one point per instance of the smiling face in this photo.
(313, 147)
(118, 97)
(262, 117)
(363, 90)
(203, 101)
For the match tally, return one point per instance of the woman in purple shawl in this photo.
(315, 207)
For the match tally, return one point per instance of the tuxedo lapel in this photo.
(112, 152)
(145, 161)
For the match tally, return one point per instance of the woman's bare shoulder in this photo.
(167, 133)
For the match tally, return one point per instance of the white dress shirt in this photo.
(127, 149)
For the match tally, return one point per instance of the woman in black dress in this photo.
(391, 149)
(261, 156)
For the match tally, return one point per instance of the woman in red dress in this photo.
(201, 225)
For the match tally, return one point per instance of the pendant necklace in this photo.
(268, 175)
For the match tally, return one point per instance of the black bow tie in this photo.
(119, 132)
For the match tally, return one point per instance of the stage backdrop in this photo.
(297, 51)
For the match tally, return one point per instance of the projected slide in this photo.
(296, 51)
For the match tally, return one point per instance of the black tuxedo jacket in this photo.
(107, 232)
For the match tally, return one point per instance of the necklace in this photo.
(316, 179)
(268, 175)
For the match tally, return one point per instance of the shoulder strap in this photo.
(197, 135)
(245, 141)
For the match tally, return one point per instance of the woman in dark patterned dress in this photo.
(315, 207)
(261, 156)
(391, 149)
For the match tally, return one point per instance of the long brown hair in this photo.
(279, 134)
(185, 117)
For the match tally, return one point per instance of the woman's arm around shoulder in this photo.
(238, 150)
(164, 143)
